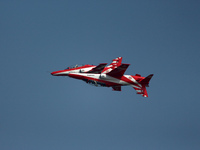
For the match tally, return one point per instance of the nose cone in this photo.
(53, 73)
(59, 73)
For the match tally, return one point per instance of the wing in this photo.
(116, 88)
(119, 71)
(115, 63)
(98, 69)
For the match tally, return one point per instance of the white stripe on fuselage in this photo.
(75, 71)
(133, 80)
(108, 78)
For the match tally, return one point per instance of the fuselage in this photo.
(105, 80)
(110, 76)
(98, 79)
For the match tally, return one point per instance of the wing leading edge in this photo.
(98, 69)
(119, 71)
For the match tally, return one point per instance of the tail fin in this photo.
(144, 83)
(146, 80)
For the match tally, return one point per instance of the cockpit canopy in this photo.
(75, 66)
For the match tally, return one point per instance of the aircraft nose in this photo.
(59, 73)
(53, 73)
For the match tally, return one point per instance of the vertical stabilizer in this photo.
(144, 83)
(146, 80)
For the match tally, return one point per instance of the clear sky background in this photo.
(43, 112)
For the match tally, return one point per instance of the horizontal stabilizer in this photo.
(138, 75)
(141, 90)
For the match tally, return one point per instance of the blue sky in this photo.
(39, 111)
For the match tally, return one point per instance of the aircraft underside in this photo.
(110, 76)
(108, 81)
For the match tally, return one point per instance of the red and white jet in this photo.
(110, 76)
